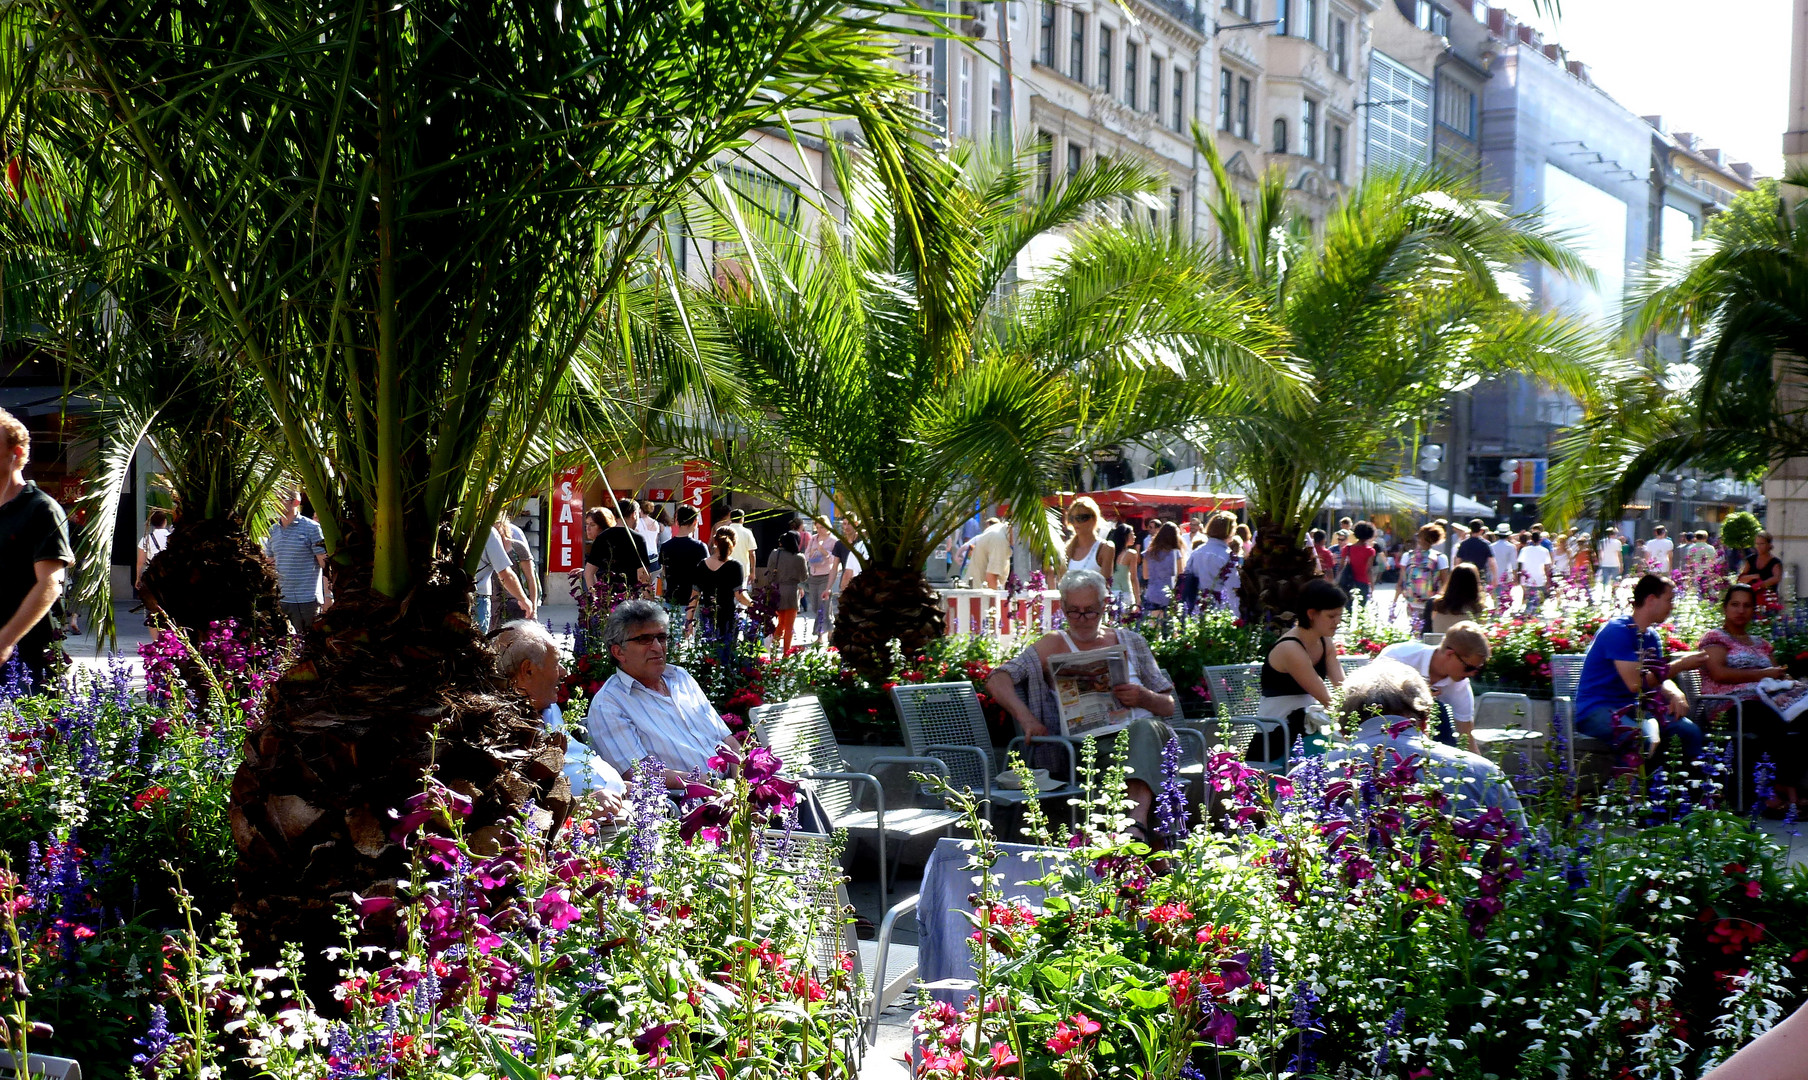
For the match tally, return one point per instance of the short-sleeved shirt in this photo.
(1610, 553)
(153, 543)
(1657, 553)
(679, 558)
(1362, 561)
(619, 554)
(1601, 684)
(629, 723)
(1753, 652)
(1506, 560)
(1456, 693)
(1535, 560)
(1475, 551)
(495, 557)
(295, 549)
(33, 529)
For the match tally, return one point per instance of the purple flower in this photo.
(1170, 803)
(556, 908)
(155, 1043)
(654, 1039)
(1220, 1027)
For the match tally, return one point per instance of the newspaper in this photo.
(1789, 699)
(1083, 682)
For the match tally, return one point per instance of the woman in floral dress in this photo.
(1736, 663)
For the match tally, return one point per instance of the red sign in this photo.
(567, 507)
(696, 493)
(659, 494)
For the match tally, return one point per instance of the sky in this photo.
(1720, 69)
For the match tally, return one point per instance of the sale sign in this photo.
(567, 545)
(696, 493)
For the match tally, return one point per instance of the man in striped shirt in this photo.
(649, 709)
(298, 549)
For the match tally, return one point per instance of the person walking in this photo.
(34, 557)
(1356, 572)
(721, 585)
(1212, 566)
(156, 539)
(1161, 568)
(1087, 550)
(1608, 559)
(1424, 570)
(1535, 567)
(745, 546)
(679, 559)
(1764, 572)
(989, 554)
(646, 526)
(1476, 551)
(617, 563)
(298, 548)
(819, 560)
(496, 565)
(1657, 552)
(504, 607)
(789, 574)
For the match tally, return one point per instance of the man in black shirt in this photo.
(618, 556)
(1477, 551)
(34, 554)
(680, 556)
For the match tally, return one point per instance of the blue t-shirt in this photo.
(1601, 683)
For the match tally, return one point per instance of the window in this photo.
(1224, 79)
(1076, 154)
(1180, 109)
(1243, 108)
(1076, 47)
(1400, 118)
(1131, 79)
(1280, 17)
(963, 97)
(997, 125)
(1106, 34)
(1280, 135)
(1456, 108)
(920, 65)
(1154, 83)
(1340, 46)
(1336, 156)
(1308, 20)
(1048, 33)
(1045, 162)
(1308, 137)
(1174, 209)
(1429, 16)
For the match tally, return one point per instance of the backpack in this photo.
(1418, 573)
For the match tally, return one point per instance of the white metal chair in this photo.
(51, 1068)
(1500, 723)
(1432, 639)
(1237, 693)
(799, 733)
(945, 721)
(1566, 676)
(883, 968)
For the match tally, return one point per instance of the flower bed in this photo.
(1351, 924)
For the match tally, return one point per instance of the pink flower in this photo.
(557, 909)
(1002, 1058)
(1753, 890)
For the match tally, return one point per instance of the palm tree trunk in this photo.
(1274, 573)
(883, 604)
(385, 692)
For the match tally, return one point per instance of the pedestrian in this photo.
(1476, 551)
(156, 539)
(647, 527)
(1461, 600)
(1161, 568)
(1327, 559)
(618, 563)
(1506, 557)
(819, 560)
(746, 547)
(1213, 567)
(721, 585)
(298, 548)
(679, 560)
(1764, 572)
(1657, 552)
(493, 566)
(848, 553)
(35, 556)
(789, 574)
(1356, 569)
(1535, 567)
(597, 520)
(1124, 566)
(1608, 560)
(504, 608)
(1425, 569)
(1088, 550)
(989, 554)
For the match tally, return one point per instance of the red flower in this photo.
(1002, 1058)
(149, 797)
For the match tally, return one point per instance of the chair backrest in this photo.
(1495, 709)
(1432, 639)
(806, 855)
(1236, 688)
(1353, 663)
(798, 731)
(1689, 682)
(1566, 674)
(949, 714)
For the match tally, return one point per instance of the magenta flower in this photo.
(1220, 1027)
(654, 1039)
(557, 909)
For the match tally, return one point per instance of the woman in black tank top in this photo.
(1300, 669)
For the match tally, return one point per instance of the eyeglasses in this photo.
(1082, 613)
(1081, 517)
(1469, 668)
(648, 639)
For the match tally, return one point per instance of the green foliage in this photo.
(1739, 530)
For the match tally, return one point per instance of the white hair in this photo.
(519, 641)
(1387, 688)
(1075, 580)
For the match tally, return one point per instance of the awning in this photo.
(1192, 488)
(1407, 493)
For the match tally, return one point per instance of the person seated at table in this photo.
(1389, 705)
(1022, 688)
(1615, 676)
(1447, 667)
(1460, 602)
(528, 657)
(1302, 666)
(1735, 664)
(649, 708)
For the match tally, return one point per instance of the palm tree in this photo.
(92, 265)
(910, 376)
(1408, 294)
(406, 217)
(1743, 298)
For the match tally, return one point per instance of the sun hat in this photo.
(1009, 781)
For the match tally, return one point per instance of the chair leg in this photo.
(884, 886)
(1739, 755)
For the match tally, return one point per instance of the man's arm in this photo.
(44, 593)
(513, 585)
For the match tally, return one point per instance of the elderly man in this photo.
(649, 709)
(1447, 667)
(1390, 704)
(1021, 687)
(528, 658)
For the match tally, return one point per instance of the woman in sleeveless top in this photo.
(1763, 572)
(1087, 550)
(1302, 667)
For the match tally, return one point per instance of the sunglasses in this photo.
(1082, 517)
(1468, 668)
(648, 639)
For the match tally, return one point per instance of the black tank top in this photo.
(1277, 683)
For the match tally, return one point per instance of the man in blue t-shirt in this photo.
(1614, 675)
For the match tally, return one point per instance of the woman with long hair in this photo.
(1424, 570)
(789, 571)
(721, 584)
(1736, 663)
(1161, 565)
(1086, 549)
(1461, 600)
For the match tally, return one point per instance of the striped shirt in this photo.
(294, 549)
(629, 723)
